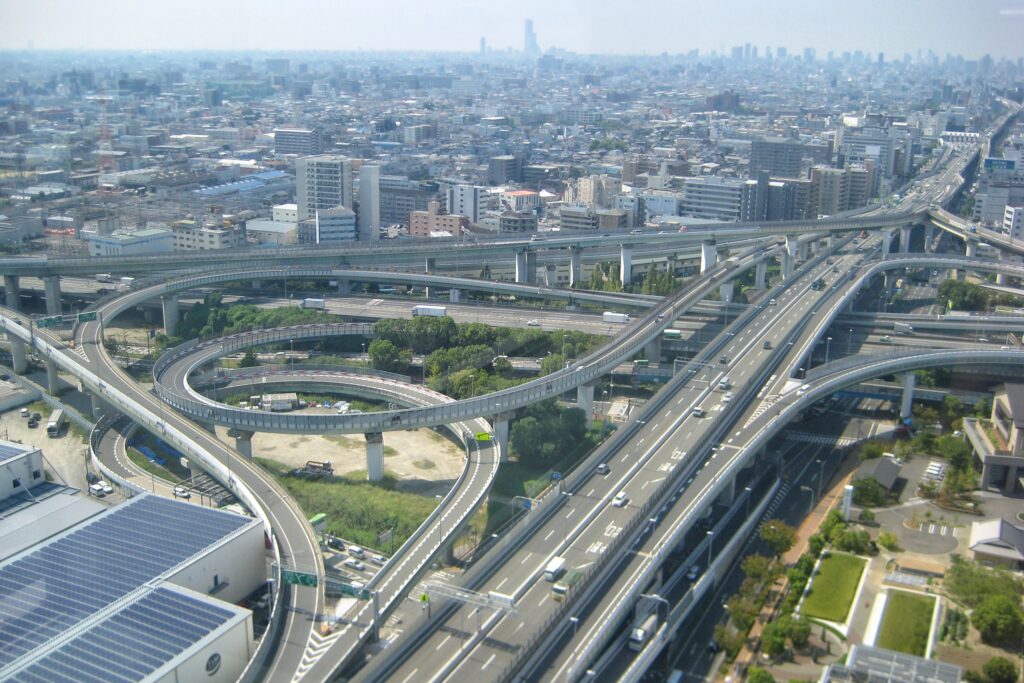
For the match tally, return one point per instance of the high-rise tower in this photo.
(530, 46)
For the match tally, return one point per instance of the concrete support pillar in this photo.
(499, 425)
(344, 287)
(830, 241)
(1010, 487)
(887, 281)
(708, 254)
(653, 350)
(169, 303)
(986, 477)
(1002, 279)
(575, 265)
(929, 236)
(429, 265)
(802, 250)
(531, 267)
(374, 456)
(20, 364)
(585, 399)
(626, 263)
(98, 407)
(971, 249)
(51, 377)
(906, 405)
(726, 290)
(550, 275)
(243, 442)
(51, 285)
(760, 271)
(521, 273)
(728, 495)
(454, 295)
(886, 242)
(257, 284)
(786, 264)
(905, 238)
(12, 291)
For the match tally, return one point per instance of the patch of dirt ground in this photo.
(422, 460)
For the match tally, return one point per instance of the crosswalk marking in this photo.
(823, 439)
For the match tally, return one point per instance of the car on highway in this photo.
(803, 390)
(620, 499)
(727, 398)
(698, 411)
(724, 360)
(353, 563)
(693, 572)
(603, 468)
(772, 302)
(767, 344)
(533, 322)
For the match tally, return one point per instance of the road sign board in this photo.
(556, 476)
(52, 321)
(483, 436)
(88, 316)
(353, 591)
(298, 578)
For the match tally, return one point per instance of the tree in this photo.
(773, 639)
(816, 543)
(1000, 670)
(854, 541)
(888, 540)
(759, 675)
(866, 516)
(779, 536)
(249, 359)
(384, 355)
(957, 451)
(999, 619)
(758, 567)
(867, 491)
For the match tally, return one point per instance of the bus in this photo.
(56, 423)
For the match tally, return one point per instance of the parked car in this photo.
(335, 544)
(92, 478)
(25, 412)
(96, 490)
(378, 560)
(181, 492)
(107, 488)
(353, 563)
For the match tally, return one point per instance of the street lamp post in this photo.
(810, 505)
(828, 343)
(849, 342)
(821, 473)
(748, 491)
(711, 539)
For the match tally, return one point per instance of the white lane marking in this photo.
(549, 535)
(441, 644)
(409, 677)
(488, 662)
(502, 583)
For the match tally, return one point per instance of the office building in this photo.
(334, 225)
(530, 45)
(577, 218)
(520, 200)
(131, 243)
(298, 141)
(504, 169)
(598, 190)
(514, 223)
(191, 235)
(715, 198)
(369, 202)
(1013, 221)
(400, 196)
(322, 182)
(288, 213)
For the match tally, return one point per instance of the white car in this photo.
(803, 390)
(727, 398)
(533, 323)
(181, 492)
(620, 499)
(107, 488)
(96, 490)
(355, 564)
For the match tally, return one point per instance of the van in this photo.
(96, 490)
(356, 551)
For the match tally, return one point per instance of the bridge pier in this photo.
(886, 242)
(1002, 279)
(374, 456)
(726, 290)
(51, 286)
(802, 250)
(929, 236)
(905, 233)
(257, 284)
(708, 255)
(971, 249)
(626, 263)
(526, 267)
(97, 406)
(454, 295)
(169, 304)
(550, 275)
(653, 350)
(728, 495)
(344, 287)
(760, 271)
(575, 265)
(12, 291)
(51, 377)
(499, 425)
(429, 264)
(243, 442)
(20, 364)
(907, 403)
(585, 399)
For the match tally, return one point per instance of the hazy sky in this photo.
(968, 27)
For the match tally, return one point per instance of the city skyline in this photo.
(942, 26)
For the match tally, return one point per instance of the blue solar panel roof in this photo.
(57, 585)
(132, 643)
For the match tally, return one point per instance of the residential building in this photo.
(778, 156)
(466, 200)
(598, 190)
(298, 141)
(287, 213)
(611, 219)
(424, 223)
(322, 182)
(369, 202)
(997, 542)
(577, 218)
(275, 233)
(514, 223)
(520, 200)
(400, 196)
(1013, 218)
(134, 243)
(504, 169)
(191, 235)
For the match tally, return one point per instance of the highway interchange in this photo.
(670, 444)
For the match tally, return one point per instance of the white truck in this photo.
(127, 281)
(104, 277)
(429, 311)
(313, 304)
(610, 317)
(554, 569)
(642, 631)
(902, 328)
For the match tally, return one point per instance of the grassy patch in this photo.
(424, 464)
(833, 587)
(906, 622)
(345, 441)
(389, 452)
(356, 509)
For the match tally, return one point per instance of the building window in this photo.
(36, 474)
(16, 483)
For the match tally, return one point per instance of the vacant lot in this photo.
(906, 622)
(833, 587)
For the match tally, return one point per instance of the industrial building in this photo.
(140, 591)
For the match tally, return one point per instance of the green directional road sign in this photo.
(298, 578)
(52, 321)
(88, 316)
(353, 591)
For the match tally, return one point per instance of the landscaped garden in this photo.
(834, 587)
(906, 623)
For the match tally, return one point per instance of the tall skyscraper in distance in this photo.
(483, 46)
(530, 46)
(369, 202)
